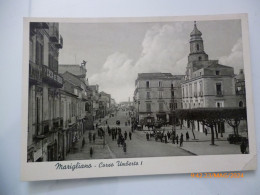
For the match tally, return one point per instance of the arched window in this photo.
(198, 47)
(241, 104)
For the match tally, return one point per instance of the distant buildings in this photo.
(156, 95)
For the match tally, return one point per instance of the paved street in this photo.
(140, 147)
(137, 147)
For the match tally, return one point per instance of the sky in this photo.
(117, 52)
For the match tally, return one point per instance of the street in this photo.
(137, 147)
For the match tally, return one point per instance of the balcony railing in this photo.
(219, 93)
(54, 33)
(35, 73)
(59, 45)
(51, 77)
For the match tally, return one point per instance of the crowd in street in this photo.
(167, 137)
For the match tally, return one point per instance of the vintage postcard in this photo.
(107, 97)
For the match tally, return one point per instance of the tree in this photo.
(213, 116)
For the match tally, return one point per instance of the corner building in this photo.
(207, 83)
(157, 95)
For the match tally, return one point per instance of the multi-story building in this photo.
(104, 103)
(207, 83)
(95, 101)
(44, 110)
(156, 95)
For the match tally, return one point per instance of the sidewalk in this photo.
(99, 150)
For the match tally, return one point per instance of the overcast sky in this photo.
(117, 52)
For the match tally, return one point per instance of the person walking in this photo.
(83, 142)
(147, 136)
(177, 139)
(125, 135)
(118, 141)
(91, 152)
(165, 138)
(181, 140)
(124, 147)
(187, 136)
(206, 131)
(243, 147)
(130, 135)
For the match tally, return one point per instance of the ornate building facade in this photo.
(207, 83)
(44, 110)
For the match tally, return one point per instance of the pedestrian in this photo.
(89, 136)
(147, 136)
(83, 142)
(173, 138)
(177, 139)
(118, 141)
(181, 140)
(125, 135)
(187, 136)
(165, 138)
(91, 152)
(206, 131)
(124, 147)
(243, 147)
(168, 135)
(94, 137)
(130, 135)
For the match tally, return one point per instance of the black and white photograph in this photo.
(136, 88)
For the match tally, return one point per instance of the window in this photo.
(198, 47)
(31, 50)
(160, 106)
(195, 89)
(219, 89)
(160, 94)
(171, 85)
(148, 107)
(39, 53)
(172, 93)
(190, 90)
(217, 72)
(199, 58)
(183, 95)
(37, 115)
(175, 106)
(147, 84)
(241, 104)
(148, 95)
(160, 84)
(219, 104)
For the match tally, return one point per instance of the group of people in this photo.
(117, 135)
(166, 137)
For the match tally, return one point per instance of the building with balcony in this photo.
(157, 95)
(44, 110)
(208, 83)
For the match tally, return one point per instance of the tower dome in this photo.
(197, 52)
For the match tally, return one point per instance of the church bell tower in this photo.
(196, 46)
